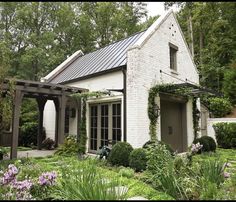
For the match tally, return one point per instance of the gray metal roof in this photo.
(107, 58)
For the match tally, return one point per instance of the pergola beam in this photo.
(42, 92)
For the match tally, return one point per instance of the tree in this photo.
(229, 83)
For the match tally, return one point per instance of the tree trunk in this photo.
(200, 46)
(191, 35)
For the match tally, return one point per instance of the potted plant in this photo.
(3, 152)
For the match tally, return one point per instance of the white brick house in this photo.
(131, 65)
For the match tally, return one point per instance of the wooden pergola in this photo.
(41, 92)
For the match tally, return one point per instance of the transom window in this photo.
(105, 124)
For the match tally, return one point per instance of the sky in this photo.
(157, 8)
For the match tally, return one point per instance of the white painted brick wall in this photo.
(143, 72)
(107, 81)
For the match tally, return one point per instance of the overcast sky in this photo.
(156, 8)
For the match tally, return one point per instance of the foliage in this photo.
(153, 143)
(207, 142)
(48, 143)
(120, 153)
(6, 100)
(208, 191)
(170, 184)
(225, 132)
(14, 189)
(196, 117)
(3, 152)
(126, 172)
(213, 171)
(69, 147)
(219, 107)
(212, 48)
(39, 35)
(229, 85)
(159, 158)
(28, 134)
(211, 142)
(138, 159)
(86, 183)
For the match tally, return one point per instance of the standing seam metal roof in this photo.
(106, 58)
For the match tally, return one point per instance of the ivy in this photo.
(83, 133)
(167, 88)
(196, 117)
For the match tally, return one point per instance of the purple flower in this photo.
(22, 185)
(196, 147)
(226, 175)
(47, 178)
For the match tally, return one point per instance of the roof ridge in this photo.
(115, 42)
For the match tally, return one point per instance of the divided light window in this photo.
(105, 124)
(173, 56)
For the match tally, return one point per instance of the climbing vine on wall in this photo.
(83, 133)
(173, 89)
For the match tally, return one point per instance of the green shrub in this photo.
(28, 134)
(229, 84)
(219, 107)
(211, 143)
(207, 142)
(48, 144)
(155, 142)
(138, 159)
(120, 153)
(69, 147)
(225, 133)
(126, 172)
(159, 159)
(233, 142)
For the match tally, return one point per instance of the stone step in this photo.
(135, 198)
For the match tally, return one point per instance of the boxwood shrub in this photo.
(225, 134)
(120, 153)
(138, 159)
(207, 142)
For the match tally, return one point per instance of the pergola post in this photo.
(15, 122)
(61, 116)
(41, 103)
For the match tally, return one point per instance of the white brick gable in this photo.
(145, 60)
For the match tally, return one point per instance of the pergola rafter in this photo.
(41, 92)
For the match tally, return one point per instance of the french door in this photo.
(104, 124)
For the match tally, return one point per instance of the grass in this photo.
(19, 149)
(220, 154)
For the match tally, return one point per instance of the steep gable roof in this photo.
(109, 57)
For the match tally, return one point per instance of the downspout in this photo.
(124, 103)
